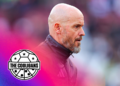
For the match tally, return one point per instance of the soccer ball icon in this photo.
(22, 64)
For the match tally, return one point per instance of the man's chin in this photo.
(76, 49)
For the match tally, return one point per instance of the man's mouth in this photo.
(78, 42)
(78, 39)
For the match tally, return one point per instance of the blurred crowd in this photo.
(100, 48)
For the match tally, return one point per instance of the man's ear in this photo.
(57, 28)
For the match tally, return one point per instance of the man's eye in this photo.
(77, 26)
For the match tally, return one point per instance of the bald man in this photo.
(65, 28)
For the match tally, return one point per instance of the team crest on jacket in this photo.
(24, 64)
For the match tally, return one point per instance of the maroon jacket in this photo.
(55, 60)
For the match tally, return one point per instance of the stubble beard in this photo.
(67, 42)
(76, 49)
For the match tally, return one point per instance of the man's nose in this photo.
(81, 32)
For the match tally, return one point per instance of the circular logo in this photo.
(24, 64)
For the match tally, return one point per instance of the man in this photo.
(65, 28)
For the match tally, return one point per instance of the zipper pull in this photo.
(72, 55)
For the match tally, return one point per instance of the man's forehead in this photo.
(76, 15)
(77, 19)
(81, 23)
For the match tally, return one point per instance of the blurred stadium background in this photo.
(99, 59)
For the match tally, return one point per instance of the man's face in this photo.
(72, 33)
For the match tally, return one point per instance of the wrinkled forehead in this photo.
(76, 17)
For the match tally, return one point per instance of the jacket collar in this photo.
(62, 52)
